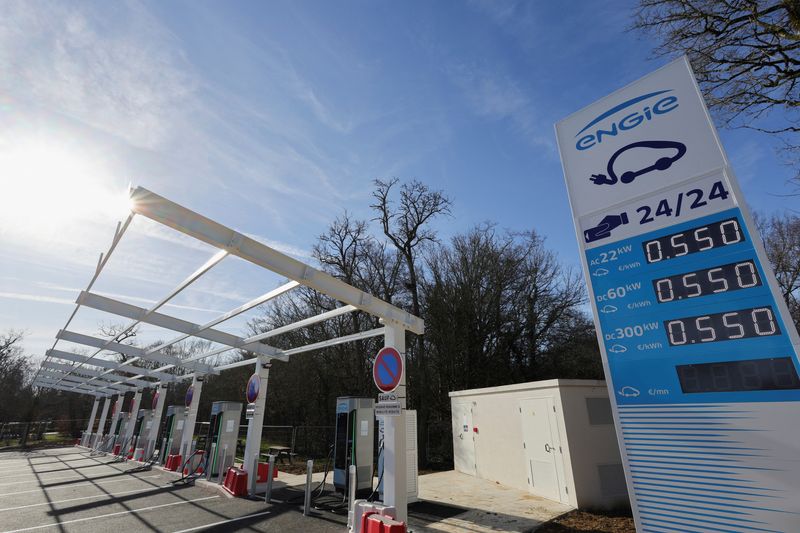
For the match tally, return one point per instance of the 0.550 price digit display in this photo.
(724, 278)
(741, 324)
(693, 240)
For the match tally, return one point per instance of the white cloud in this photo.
(121, 297)
(36, 298)
(286, 248)
(496, 96)
(128, 79)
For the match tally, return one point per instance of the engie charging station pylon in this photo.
(103, 378)
(699, 350)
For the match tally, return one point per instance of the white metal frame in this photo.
(90, 374)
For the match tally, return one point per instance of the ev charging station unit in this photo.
(223, 435)
(172, 433)
(102, 377)
(354, 443)
(139, 445)
(699, 350)
(122, 418)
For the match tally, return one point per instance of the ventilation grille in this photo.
(599, 410)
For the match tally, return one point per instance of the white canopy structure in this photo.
(92, 374)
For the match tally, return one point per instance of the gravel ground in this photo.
(590, 522)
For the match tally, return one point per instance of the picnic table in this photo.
(280, 453)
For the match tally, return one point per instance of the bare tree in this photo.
(118, 333)
(745, 54)
(781, 235)
(14, 371)
(407, 226)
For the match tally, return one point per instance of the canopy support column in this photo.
(152, 436)
(395, 489)
(87, 436)
(255, 425)
(191, 418)
(126, 440)
(116, 412)
(101, 427)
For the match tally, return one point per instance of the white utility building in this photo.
(553, 438)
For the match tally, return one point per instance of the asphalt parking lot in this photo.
(70, 490)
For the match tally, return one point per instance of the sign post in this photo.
(698, 347)
(390, 378)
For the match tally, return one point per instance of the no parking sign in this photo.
(253, 388)
(189, 396)
(387, 371)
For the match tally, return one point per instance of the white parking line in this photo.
(96, 496)
(132, 511)
(62, 478)
(222, 522)
(33, 480)
(78, 485)
(39, 474)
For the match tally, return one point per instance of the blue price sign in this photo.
(700, 355)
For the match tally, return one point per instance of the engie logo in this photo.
(595, 136)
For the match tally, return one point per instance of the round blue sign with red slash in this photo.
(387, 369)
(253, 388)
(189, 396)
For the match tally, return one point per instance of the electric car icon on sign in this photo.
(662, 163)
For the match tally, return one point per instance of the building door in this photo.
(463, 438)
(542, 447)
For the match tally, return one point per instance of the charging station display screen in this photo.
(730, 376)
(694, 240)
(706, 307)
(726, 326)
(706, 281)
(340, 459)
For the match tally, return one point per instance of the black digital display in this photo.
(699, 239)
(733, 376)
(741, 324)
(724, 278)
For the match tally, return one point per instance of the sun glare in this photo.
(49, 189)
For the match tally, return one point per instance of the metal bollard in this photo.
(253, 477)
(351, 489)
(309, 472)
(223, 465)
(270, 473)
(221, 455)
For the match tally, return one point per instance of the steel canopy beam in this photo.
(109, 305)
(82, 380)
(286, 287)
(339, 340)
(133, 351)
(311, 347)
(101, 263)
(52, 384)
(104, 363)
(194, 276)
(195, 225)
(84, 371)
(45, 381)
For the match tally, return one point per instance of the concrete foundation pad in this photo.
(488, 506)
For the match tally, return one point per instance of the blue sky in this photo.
(273, 117)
